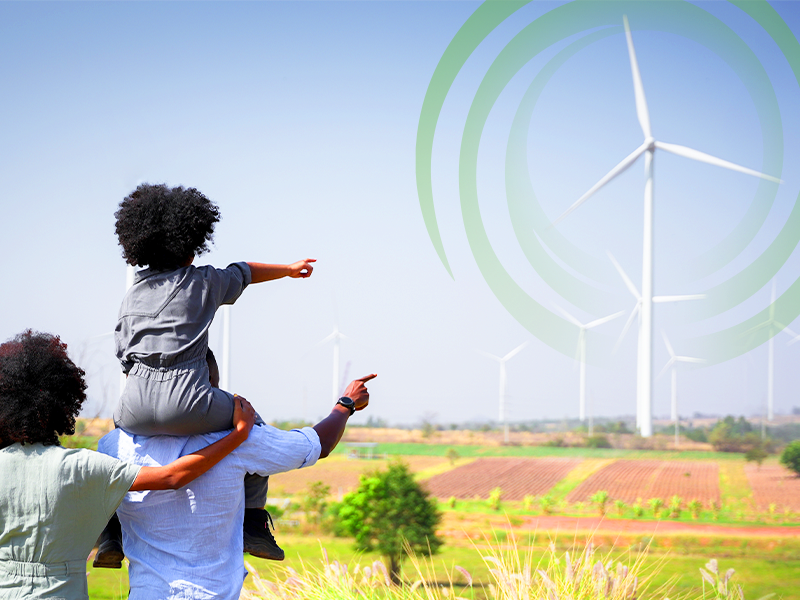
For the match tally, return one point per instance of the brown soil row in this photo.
(516, 477)
(774, 485)
(632, 480)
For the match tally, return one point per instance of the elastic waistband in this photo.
(165, 373)
(34, 569)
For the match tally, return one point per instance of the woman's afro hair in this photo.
(163, 227)
(41, 390)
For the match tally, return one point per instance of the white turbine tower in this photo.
(648, 149)
(637, 311)
(129, 275)
(673, 364)
(336, 335)
(502, 407)
(774, 327)
(581, 351)
(225, 374)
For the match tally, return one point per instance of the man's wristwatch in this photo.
(347, 403)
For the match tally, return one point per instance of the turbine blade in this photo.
(622, 166)
(689, 359)
(604, 320)
(628, 323)
(515, 351)
(796, 337)
(712, 160)
(679, 298)
(328, 338)
(492, 356)
(666, 367)
(628, 283)
(638, 88)
(569, 317)
(669, 346)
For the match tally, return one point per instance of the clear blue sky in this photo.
(299, 119)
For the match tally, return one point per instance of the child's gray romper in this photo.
(162, 338)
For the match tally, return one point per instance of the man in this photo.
(187, 543)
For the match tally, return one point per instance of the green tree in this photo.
(756, 454)
(790, 457)
(452, 455)
(390, 513)
(656, 505)
(315, 501)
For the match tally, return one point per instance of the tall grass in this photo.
(579, 574)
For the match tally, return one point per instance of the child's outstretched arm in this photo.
(261, 272)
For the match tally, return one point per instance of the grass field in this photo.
(759, 543)
(758, 576)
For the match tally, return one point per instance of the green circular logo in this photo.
(563, 266)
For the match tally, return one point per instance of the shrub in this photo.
(638, 509)
(600, 499)
(656, 504)
(695, 506)
(494, 498)
(548, 503)
(315, 501)
(790, 457)
(452, 455)
(756, 454)
(620, 506)
(675, 504)
(451, 502)
(598, 441)
(527, 502)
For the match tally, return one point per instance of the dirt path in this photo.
(551, 523)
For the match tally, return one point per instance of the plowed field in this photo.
(774, 484)
(628, 480)
(517, 477)
(340, 473)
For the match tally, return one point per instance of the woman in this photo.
(55, 501)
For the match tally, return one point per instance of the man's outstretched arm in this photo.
(331, 428)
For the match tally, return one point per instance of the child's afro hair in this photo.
(41, 390)
(163, 227)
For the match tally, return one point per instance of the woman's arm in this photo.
(188, 468)
(260, 272)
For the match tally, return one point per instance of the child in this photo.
(162, 332)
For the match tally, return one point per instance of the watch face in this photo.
(348, 403)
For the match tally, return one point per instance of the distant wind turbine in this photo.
(336, 335)
(225, 375)
(673, 363)
(648, 149)
(581, 351)
(637, 311)
(774, 327)
(502, 407)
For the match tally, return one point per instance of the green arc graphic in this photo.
(567, 20)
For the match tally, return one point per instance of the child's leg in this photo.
(258, 540)
(109, 546)
(255, 490)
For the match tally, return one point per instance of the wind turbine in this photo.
(637, 311)
(336, 335)
(502, 407)
(225, 374)
(775, 327)
(673, 363)
(582, 351)
(648, 148)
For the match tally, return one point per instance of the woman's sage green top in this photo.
(54, 502)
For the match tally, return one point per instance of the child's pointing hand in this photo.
(302, 268)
